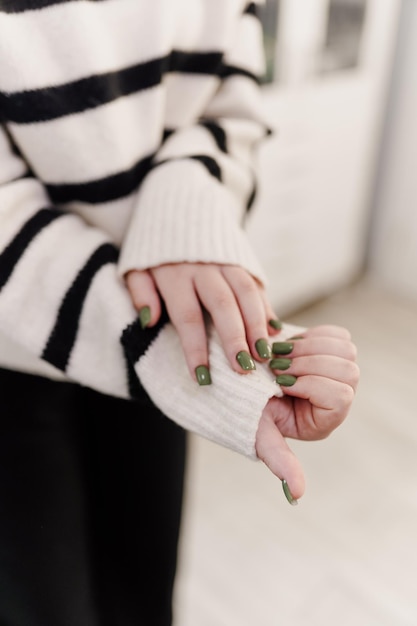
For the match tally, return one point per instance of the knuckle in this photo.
(246, 285)
(345, 396)
(196, 356)
(190, 317)
(222, 299)
(350, 371)
(137, 302)
(241, 279)
(344, 333)
(351, 351)
(355, 373)
(249, 293)
(237, 342)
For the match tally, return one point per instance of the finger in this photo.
(144, 295)
(316, 345)
(187, 317)
(328, 330)
(218, 298)
(274, 323)
(333, 367)
(330, 402)
(252, 309)
(273, 450)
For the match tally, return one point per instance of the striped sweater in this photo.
(128, 135)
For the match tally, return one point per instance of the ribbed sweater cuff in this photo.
(184, 214)
(226, 412)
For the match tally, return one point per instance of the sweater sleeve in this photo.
(61, 299)
(191, 207)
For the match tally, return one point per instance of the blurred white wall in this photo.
(393, 244)
(310, 222)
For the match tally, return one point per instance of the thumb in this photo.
(273, 450)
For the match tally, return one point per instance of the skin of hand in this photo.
(236, 302)
(327, 375)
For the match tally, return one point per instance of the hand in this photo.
(235, 301)
(318, 396)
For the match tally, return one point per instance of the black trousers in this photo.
(91, 491)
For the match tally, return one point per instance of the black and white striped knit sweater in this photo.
(127, 140)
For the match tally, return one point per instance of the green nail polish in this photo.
(263, 348)
(288, 494)
(282, 347)
(203, 375)
(245, 360)
(286, 380)
(296, 337)
(144, 316)
(275, 324)
(279, 364)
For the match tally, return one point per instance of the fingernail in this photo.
(245, 360)
(296, 337)
(282, 347)
(203, 375)
(280, 364)
(144, 316)
(263, 348)
(288, 493)
(286, 380)
(275, 324)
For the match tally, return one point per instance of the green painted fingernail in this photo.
(245, 360)
(286, 380)
(296, 337)
(203, 375)
(279, 364)
(275, 324)
(288, 493)
(282, 347)
(144, 316)
(263, 348)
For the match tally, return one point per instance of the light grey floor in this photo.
(347, 554)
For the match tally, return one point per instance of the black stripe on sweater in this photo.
(135, 342)
(217, 133)
(252, 197)
(220, 138)
(208, 162)
(120, 185)
(251, 9)
(231, 70)
(102, 190)
(208, 63)
(41, 105)
(63, 336)
(18, 6)
(16, 248)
